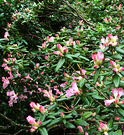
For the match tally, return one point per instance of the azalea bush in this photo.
(72, 80)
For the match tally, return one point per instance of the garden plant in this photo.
(62, 67)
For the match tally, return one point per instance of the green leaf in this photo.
(60, 64)
(43, 117)
(121, 84)
(86, 115)
(98, 97)
(69, 56)
(43, 131)
(85, 100)
(82, 82)
(116, 80)
(84, 58)
(119, 50)
(98, 109)
(104, 117)
(69, 116)
(117, 56)
(52, 106)
(62, 99)
(69, 125)
(81, 122)
(106, 110)
(120, 111)
(46, 122)
(75, 61)
(110, 123)
(116, 133)
(57, 120)
(97, 72)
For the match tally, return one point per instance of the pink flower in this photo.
(30, 119)
(86, 133)
(117, 118)
(37, 65)
(80, 129)
(36, 107)
(62, 50)
(5, 82)
(82, 72)
(103, 128)
(105, 19)
(28, 77)
(116, 67)
(98, 59)
(70, 42)
(62, 114)
(34, 124)
(73, 90)
(117, 92)
(44, 45)
(13, 97)
(10, 93)
(118, 27)
(110, 41)
(49, 95)
(6, 35)
(42, 109)
(63, 84)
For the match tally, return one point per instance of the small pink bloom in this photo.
(6, 35)
(80, 129)
(117, 92)
(117, 118)
(37, 65)
(30, 119)
(62, 114)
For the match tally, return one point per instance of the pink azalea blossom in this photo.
(109, 41)
(103, 128)
(13, 97)
(72, 90)
(6, 35)
(36, 107)
(49, 95)
(5, 82)
(30, 119)
(70, 42)
(42, 109)
(63, 84)
(34, 124)
(116, 67)
(80, 129)
(62, 50)
(98, 59)
(28, 77)
(117, 92)
(105, 19)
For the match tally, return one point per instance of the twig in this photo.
(14, 123)
(79, 16)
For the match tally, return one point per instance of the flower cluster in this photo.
(109, 41)
(103, 128)
(13, 97)
(72, 90)
(116, 67)
(98, 59)
(35, 125)
(117, 92)
(62, 50)
(37, 107)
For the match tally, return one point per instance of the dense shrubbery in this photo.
(69, 80)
